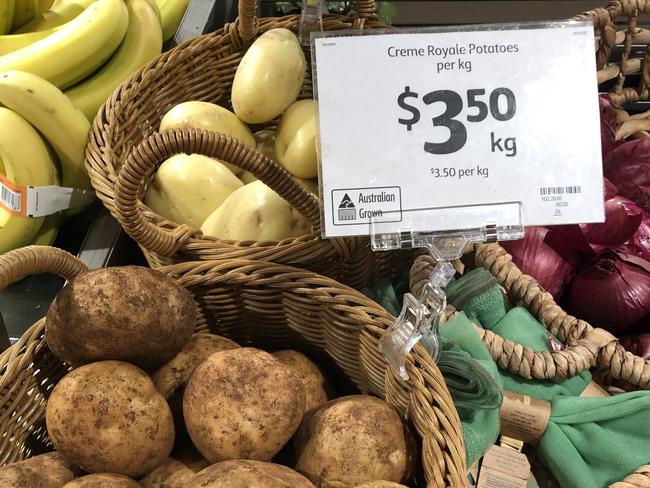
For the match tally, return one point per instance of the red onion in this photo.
(535, 258)
(622, 219)
(628, 167)
(639, 244)
(608, 126)
(612, 292)
(610, 189)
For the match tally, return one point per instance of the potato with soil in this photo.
(318, 387)
(45, 471)
(128, 313)
(242, 404)
(103, 480)
(352, 440)
(108, 417)
(186, 453)
(248, 474)
(171, 472)
(177, 371)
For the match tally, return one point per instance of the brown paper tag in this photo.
(523, 417)
(594, 390)
(508, 461)
(491, 478)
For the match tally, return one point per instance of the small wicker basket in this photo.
(254, 303)
(203, 69)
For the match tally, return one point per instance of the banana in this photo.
(142, 43)
(172, 12)
(48, 231)
(43, 5)
(61, 12)
(24, 159)
(6, 15)
(13, 42)
(62, 124)
(24, 11)
(77, 48)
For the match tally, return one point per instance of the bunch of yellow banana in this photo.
(87, 48)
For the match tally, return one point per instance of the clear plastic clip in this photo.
(311, 20)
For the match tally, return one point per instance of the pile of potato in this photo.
(221, 199)
(151, 404)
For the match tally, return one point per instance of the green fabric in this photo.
(520, 326)
(593, 442)
(480, 427)
(477, 293)
(471, 376)
(589, 442)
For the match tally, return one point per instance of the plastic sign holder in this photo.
(311, 20)
(421, 316)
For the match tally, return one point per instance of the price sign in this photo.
(447, 119)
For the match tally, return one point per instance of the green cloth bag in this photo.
(480, 426)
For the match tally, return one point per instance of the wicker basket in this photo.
(203, 69)
(254, 303)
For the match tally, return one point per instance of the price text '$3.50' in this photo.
(501, 104)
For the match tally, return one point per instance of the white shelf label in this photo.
(445, 119)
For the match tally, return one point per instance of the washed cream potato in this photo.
(265, 140)
(189, 187)
(242, 404)
(269, 76)
(295, 144)
(254, 212)
(247, 177)
(210, 117)
(107, 417)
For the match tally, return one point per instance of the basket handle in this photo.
(32, 260)
(639, 479)
(610, 355)
(152, 151)
(246, 20)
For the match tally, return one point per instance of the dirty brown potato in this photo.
(352, 440)
(170, 472)
(187, 454)
(318, 387)
(107, 417)
(380, 484)
(177, 371)
(171, 378)
(242, 404)
(44, 471)
(248, 474)
(128, 313)
(103, 480)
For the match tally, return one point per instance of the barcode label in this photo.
(559, 190)
(10, 199)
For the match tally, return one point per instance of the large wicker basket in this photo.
(254, 303)
(203, 69)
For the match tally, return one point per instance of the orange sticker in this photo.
(13, 196)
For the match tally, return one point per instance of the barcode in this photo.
(560, 190)
(10, 198)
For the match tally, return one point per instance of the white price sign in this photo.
(448, 119)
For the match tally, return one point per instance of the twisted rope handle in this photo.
(639, 479)
(586, 346)
(152, 151)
